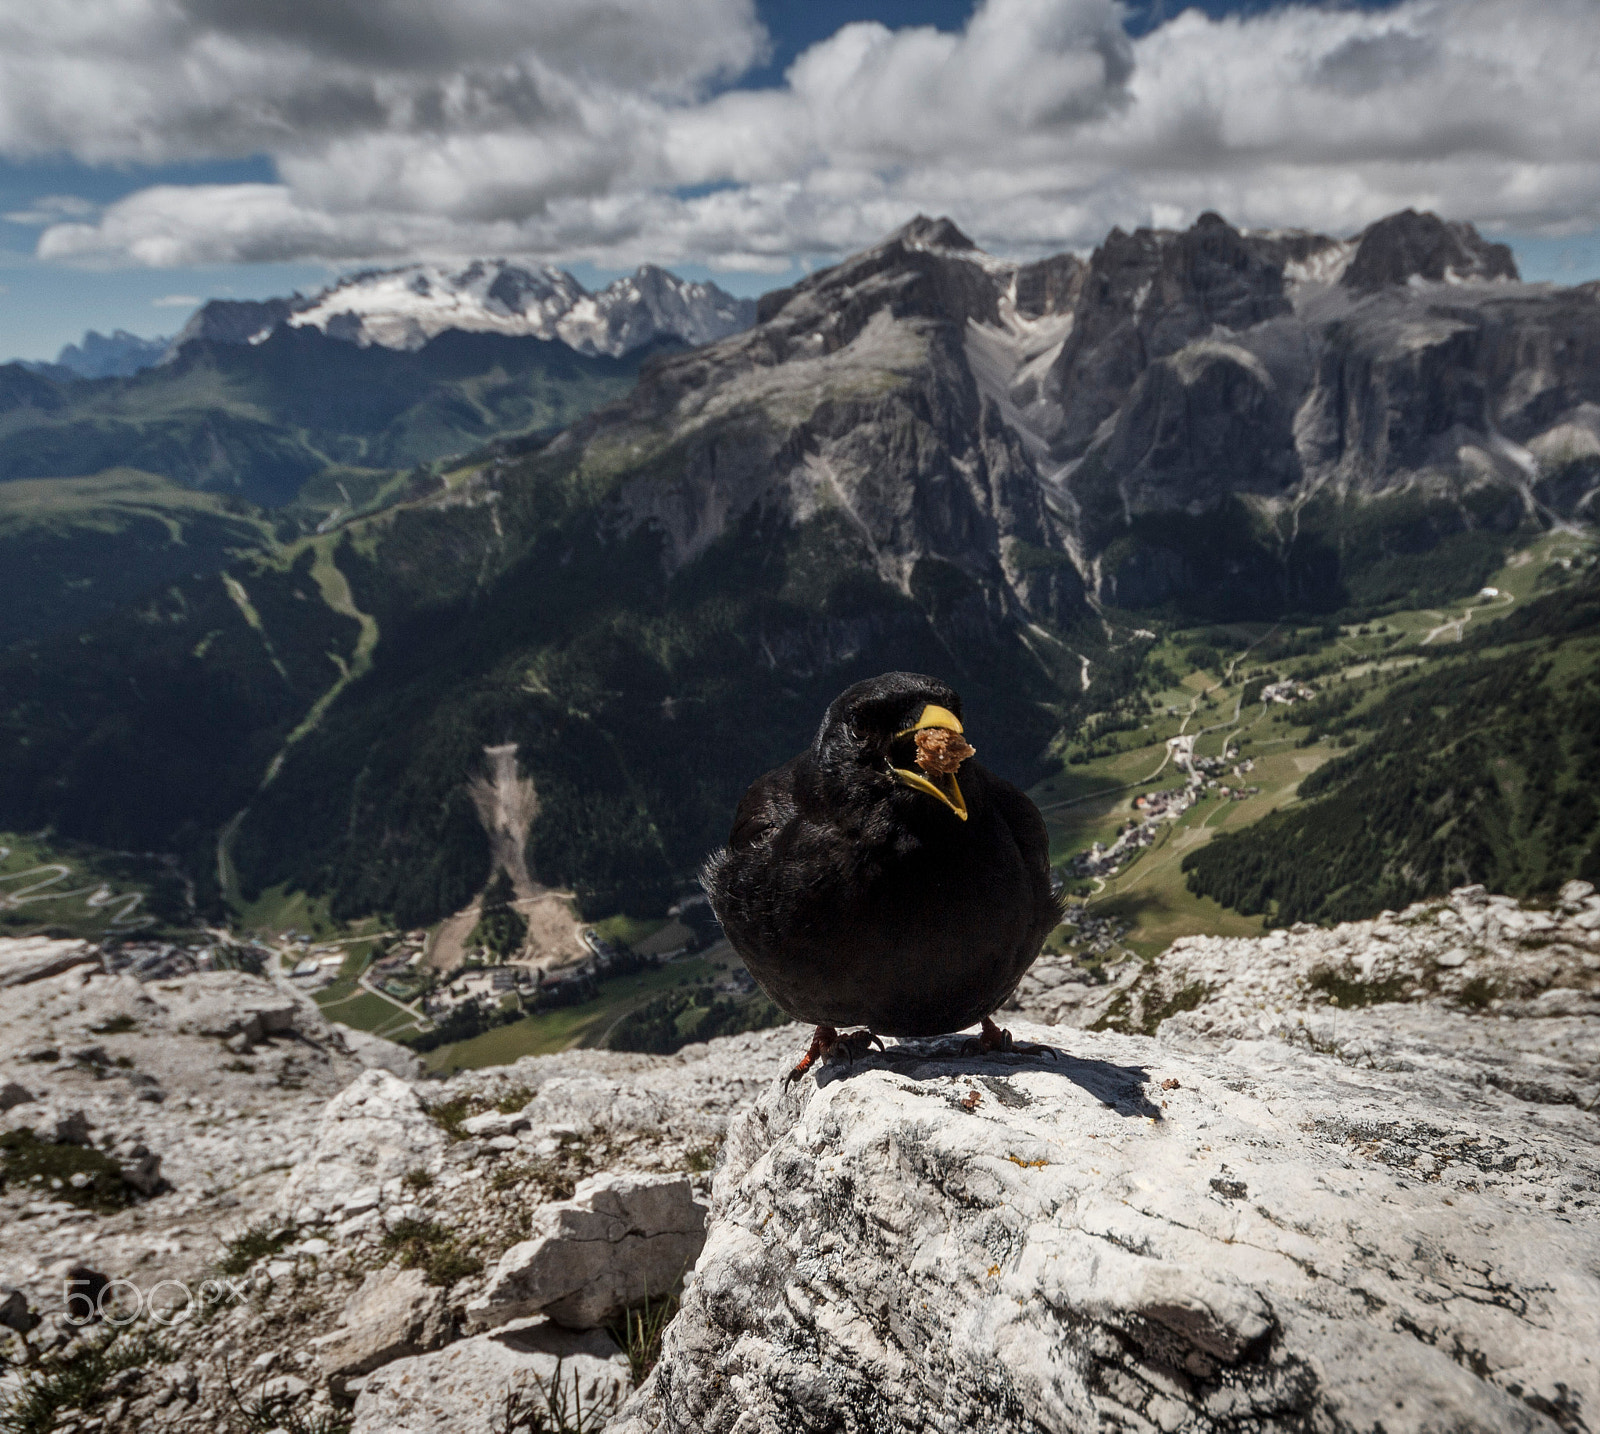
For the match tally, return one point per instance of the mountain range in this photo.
(118, 355)
(300, 409)
(404, 308)
(924, 457)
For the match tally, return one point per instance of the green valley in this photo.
(352, 633)
(1441, 746)
(113, 488)
(73, 551)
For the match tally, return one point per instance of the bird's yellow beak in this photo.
(941, 785)
(933, 716)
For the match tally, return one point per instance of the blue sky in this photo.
(131, 188)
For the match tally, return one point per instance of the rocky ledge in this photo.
(1338, 1179)
(1126, 1234)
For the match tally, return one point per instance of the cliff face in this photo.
(853, 398)
(1145, 297)
(1314, 390)
(1291, 387)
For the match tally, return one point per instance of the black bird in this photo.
(882, 878)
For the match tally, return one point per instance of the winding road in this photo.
(95, 897)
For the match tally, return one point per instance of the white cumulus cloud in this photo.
(573, 130)
(51, 209)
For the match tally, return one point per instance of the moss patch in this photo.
(428, 1246)
(78, 1174)
(1346, 993)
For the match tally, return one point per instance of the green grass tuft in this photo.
(76, 1379)
(639, 1332)
(255, 1243)
(428, 1246)
(77, 1174)
(551, 1406)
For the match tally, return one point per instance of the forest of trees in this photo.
(501, 928)
(694, 1013)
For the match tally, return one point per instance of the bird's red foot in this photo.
(825, 1041)
(991, 1038)
(857, 1043)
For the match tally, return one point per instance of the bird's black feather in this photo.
(857, 900)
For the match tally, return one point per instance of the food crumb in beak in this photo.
(941, 750)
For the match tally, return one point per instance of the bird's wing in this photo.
(1032, 838)
(764, 808)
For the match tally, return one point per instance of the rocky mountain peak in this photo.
(1048, 286)
(927, 233)
(1187, 280)
(1183, 1232)
(1145, 296)
(113, 356)
(1411, 245)
(909, 277)
(233, 321)
(1255, 1183)
(404, 308)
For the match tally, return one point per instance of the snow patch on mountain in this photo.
(404, 308)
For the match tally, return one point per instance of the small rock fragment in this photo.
(14, 1312)
(619, 1240)
(1573, 893)
(70, 1129)
(143, 1172)
(394, 1315)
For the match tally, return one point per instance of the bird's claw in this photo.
(858, 1043)
(991, 1039)
(825, 1041)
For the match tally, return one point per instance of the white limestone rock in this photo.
(1574, 893)
(228, 1003)
(688, 1096)
(620, 1239)
(494, 1123)
(394, 1315)
(472, 1386)
(1464, 957)
(375, 1053)
(373, 1131)
(1138, 1236)
(26, 959)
